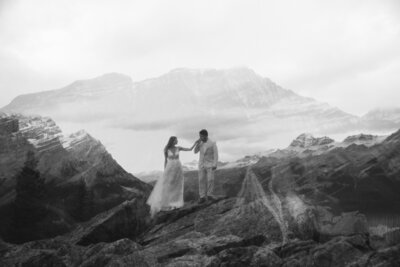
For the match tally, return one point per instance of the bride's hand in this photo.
(196, 143)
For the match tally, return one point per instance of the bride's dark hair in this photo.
(170, 143)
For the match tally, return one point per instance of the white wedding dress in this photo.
(168, 190)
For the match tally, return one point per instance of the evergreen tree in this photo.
(28, 205)
(88, 206)
(81, 199)
(83, 202)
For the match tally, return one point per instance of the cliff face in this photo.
(8, 125)
(76, 168)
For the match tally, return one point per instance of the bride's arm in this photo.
(188, 149)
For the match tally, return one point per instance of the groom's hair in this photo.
(203, 132)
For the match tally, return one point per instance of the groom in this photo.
(207, 165)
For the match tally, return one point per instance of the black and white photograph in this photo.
(191, 133)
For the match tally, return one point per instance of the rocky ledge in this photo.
(215, 233)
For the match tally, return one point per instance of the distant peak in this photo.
(360, 137)
(79, 133)
(305, 135)
(305, 140)
(75, 138)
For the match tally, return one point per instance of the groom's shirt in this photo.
(208, 154)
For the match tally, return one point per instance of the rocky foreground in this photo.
(225, 232)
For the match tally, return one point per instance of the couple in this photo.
(168, 191)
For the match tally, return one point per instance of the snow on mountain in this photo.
(306, 140)
(74, 139)
(364, 139)
(306, 144)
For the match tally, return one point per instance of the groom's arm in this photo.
(215, 148)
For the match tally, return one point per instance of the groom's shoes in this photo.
(211, 198)
(206, 199)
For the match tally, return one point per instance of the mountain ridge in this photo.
(80, 178)
(244, 72)
(302, 146)
(115, 76)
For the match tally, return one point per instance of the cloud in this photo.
(186, 128)
(141, 126)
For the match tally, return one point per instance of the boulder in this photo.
(382, 236)
(348, 223)
(220, 218)
(126, 220)
(103, 254)
(265, 257)
(339, 251)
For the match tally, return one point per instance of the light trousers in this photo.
(206, 182)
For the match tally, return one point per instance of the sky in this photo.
(345, 53)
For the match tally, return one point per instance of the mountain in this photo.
(306, 144)
(185, 93)
(82, 92)
(347, 175)
(306, 140)
(181, 102)
(302, 146)
(343, 173)
(80, 177)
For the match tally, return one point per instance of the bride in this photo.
(168, 191)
